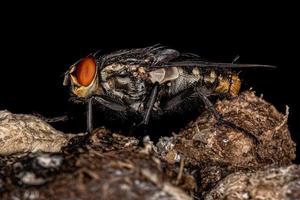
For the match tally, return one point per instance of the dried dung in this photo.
(215, 150)
(205, 159)
(271, 183)
(111, 166)
(20, 133)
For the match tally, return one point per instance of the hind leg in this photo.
(200, 93)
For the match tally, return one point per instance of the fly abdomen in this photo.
(214, 81)
(192, 77)
(183, 82)
(221, 81)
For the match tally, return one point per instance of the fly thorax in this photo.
(121, 80)
(136, 89)
(128, 88)
(111, 70)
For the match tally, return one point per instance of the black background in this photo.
(38, 46)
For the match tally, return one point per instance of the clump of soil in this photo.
(111, 166)
(197, 162)
(204, 141)
(211, 150)
(21, 133)
(270, 183)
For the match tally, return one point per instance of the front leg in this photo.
(89, 117)
(106, 103)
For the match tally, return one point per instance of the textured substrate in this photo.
(204, 160)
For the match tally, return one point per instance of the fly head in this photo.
(82, 77)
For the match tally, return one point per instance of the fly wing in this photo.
(150, 56)
(206, 64)
(194, 60)
(160, 56)
(131, 56)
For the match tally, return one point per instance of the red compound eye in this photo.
(85, 71)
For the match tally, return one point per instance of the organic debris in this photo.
(270, 183)
(21, 133)
(112, 166)
(203, 160)
(216, 150)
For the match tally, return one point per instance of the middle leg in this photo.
(150, 104)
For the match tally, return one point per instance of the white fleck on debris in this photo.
(29, 178)
(177, 158)
(31, 194)
(148, 145)
(225, 140)
(164, 145)
(49, 161)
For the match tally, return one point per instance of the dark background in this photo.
(37, 47)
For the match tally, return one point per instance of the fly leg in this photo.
(108, 104)
(115, 106)
(150, 103)
(50, 120)
(219, 118)
(142, 128)
(175, 102)
(89, 115)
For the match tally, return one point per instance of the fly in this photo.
(150, 82)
